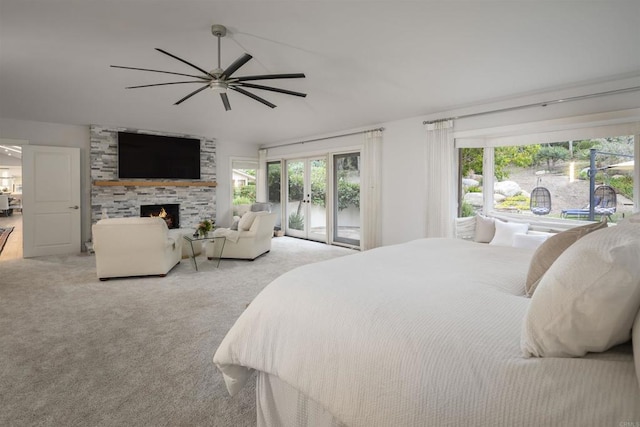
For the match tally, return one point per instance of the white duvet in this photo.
(422, 334)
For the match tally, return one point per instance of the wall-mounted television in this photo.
(154, 156)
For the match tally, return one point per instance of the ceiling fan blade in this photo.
(186, 62)
(273, 89)
(191, 94)
(270, 77)
(160, 71)
(252, 96)
(237, 64)
(163, 84)
(225, 101)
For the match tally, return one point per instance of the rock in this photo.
(525, 193)
(498, 198)
(468, 182)
(474, 199)
(507, 188)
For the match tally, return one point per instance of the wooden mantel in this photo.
(154, 183)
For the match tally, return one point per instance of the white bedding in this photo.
(422, 334)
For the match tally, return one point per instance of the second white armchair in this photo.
(252, 239)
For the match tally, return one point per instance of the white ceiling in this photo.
(366, 62)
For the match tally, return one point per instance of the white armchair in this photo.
(252, 239)
(135, 247)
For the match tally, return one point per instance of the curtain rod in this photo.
(322, 139)
(538, 104)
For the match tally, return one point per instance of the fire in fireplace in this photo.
(168, 211)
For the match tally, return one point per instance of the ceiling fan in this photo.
(220, 80)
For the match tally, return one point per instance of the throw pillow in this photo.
(246, 221)
(485, 229)
(235, 224)
(551, 249)
(588, 299)
(505, 232)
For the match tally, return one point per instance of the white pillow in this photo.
(505, 232)
(588, 299)
(246, 221)
(528, 241)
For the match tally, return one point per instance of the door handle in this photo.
(74, 207)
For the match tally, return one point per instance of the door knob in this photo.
(74, 207)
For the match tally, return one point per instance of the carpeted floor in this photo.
(75, 351)
(4, 235)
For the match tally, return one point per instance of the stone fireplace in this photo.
(123, 198)
(170, 212)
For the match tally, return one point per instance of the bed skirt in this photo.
(280, 405)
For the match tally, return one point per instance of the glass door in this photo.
(306, 210)
(346, 198)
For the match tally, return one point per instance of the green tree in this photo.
(521, 156)
(551, 154)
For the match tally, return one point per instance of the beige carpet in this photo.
(75, 351)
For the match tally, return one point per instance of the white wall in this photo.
(403, 198)
(53, 134)
(403, 158)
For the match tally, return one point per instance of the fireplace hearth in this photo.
(170, 212)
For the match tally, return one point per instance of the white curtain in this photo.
(261, 176)
(441, 180)
(370, 191)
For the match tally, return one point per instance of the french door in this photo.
(306, 207)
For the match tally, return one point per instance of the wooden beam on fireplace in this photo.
(154, 183)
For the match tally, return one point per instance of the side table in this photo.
(192, 239)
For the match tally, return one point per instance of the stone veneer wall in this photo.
(196, 203)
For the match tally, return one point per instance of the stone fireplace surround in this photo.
(196, 202)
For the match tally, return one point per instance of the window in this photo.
(551, 180)
(243, 182)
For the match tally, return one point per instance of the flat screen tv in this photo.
(154, 156)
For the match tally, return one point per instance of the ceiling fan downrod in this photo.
(219, 31)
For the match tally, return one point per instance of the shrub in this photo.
(296, 221)
(242, 201)
(467, 210)
(623, 185)
(474, 189)
(520, 202)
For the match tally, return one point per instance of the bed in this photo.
(426, 333)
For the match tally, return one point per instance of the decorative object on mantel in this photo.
(220, 80)
(204, 228)
(99, 183)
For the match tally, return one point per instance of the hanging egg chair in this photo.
(540, 203)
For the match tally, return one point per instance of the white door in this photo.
(50, 200)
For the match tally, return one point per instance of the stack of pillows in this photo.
(584, 285)
(516, 234)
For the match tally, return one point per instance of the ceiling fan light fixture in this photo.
(219, 86)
